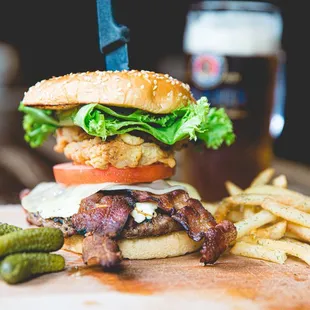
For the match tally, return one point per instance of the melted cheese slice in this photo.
(56, 200)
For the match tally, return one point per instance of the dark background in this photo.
(57, 37)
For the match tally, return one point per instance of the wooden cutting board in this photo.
(174, 283)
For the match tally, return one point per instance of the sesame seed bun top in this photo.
(145, 90)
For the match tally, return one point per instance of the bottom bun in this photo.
(173, 244)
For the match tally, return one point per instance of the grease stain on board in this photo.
(231, 278)
(117, 280)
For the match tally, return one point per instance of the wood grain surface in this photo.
(174, 283)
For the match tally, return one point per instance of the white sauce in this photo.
(143, 211)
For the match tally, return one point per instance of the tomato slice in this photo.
(70, 174)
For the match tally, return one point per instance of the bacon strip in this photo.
(101, 250)
(196, 220)
(104, 217)
(106, 220)
(106, 214)
(166, 202)
(217, 239)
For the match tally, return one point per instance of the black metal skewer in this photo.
(113, 38)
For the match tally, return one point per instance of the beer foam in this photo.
(233, 33)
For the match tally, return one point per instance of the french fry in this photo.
(275, 231)
(246, 200)
(248, 239)
(255, 221)
(263, 178)
(301, 232)
(280, 181)
(248, 211)
(271, 220)
(291, 235)
(232, 188)
(282, 195)
(222, 210)
(235, 216)
(288, 213)
(289, 246)
(252, 199)
(260, 252)
(210, 207)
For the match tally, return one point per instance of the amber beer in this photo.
(236, 71)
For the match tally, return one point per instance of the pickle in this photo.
(6, 228)
(44, 239)
(20, 267)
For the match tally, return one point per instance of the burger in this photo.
(113, 198)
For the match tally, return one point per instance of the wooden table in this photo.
(174, 283)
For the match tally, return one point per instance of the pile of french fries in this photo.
(271, 220)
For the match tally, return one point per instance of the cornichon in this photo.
(16, 268)
(44, 239)
(6, 228)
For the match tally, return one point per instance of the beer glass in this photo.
(232, 57)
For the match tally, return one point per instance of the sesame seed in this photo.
(142, 86)
(186, 86)
(169, 94)
(179, 94)
(128, 84)
(155, 87)
(155, 81)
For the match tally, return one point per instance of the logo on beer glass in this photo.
(208, 70)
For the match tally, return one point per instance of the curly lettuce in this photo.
(38, 125)
(193, 122)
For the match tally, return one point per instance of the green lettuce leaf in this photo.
(38, 125)
(193, 122)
